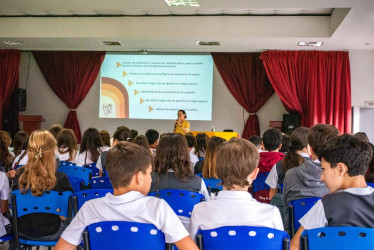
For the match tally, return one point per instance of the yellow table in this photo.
(224, 135)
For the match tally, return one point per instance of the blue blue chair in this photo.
(67, 163)
(370, 184)
(101, 183)
(85, 195)
(18, 166)
(76, 183)
(297, 209)
(95, 170)
(124, 235)
(342, 238)
(52, 202)
(213, 185)
(6, 238)
(259, 183)
(79, 172)
(181, 201)
(243, 237)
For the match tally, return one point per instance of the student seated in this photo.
(129, 168)
(5, 226)
(91, 147)
(152, 136)
(209, 167)
(257, 141)
(6, 157)
(236, 166)
(344, 162)
(122, 134)
(141, 140)
(21, 140)
(37, 176)
(304, 181)
(173, 169)
(272, 141)
(191, 142)
(67, 147)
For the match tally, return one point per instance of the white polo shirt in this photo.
(23, 161)
(132, 206)
(193, 159)
(4, 195)
(65, 156)
(82, 160)
(234, 208)
(272, 179)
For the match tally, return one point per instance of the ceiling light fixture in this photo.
(201, 43)
(314, 44)
(13, 43)
(110, 43)
(177, 3)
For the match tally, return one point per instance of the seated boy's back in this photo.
(236, 166)
(129, 167)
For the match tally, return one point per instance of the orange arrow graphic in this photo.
(118, 64)
(150, 109)
(124, 73)
(141, 101)
(136, 92)
(130, 83)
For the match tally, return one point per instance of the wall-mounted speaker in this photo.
(18, 100)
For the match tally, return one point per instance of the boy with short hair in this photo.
(272, 142)
(191, 142)
(129, 168)
(344, 162)
(236, 166)
(152, 136)
(257, 141)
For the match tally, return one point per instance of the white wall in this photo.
(227, 113)
(362, 79)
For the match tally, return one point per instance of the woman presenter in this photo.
(181, 126)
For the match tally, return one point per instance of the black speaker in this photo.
(18, 100)
(290, 123)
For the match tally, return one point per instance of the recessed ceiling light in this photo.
(13, 43)
(110, 43)
(176, 3)
(201, 43)
(315, 44)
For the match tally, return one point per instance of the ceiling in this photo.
(238, 25)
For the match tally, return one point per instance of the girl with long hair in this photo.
(20, 142)
(209, 166)
(91, 147)
(5, 156)
(201, 144)
(37, 176)
(172, 168)
(67, 147)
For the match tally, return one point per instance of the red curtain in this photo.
(9, 71)
(246, 79)
(70, 75)
(315, 84)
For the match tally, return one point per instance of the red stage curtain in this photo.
(9, 71)
(246, 79)
(315, 84)
(70, 75)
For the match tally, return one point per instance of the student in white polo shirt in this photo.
(129, 167)
(344, 162)
(236, 166)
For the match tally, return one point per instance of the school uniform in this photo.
(233, 208)
(170, 181)
(100, 164)
(23, 161)
(84, 158)
(4, 195)
(65, 156)
(132, 206)
(193, 159)
(352, 207)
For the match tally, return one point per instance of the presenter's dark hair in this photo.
(172, 153)
(184, 112)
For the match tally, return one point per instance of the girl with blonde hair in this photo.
(37, 176)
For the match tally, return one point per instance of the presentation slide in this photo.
(156, 86)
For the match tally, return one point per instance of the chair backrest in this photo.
(259, 183)
(101, 183)
(370, 184)
(342, 238)
(297, 209)
(76, 183)
(213, 184)
(123, 235)
(67, 163)
(18, 166)
(88, 194)
(243, 237)
(79, 172)
(95, 170)
(181, 201)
